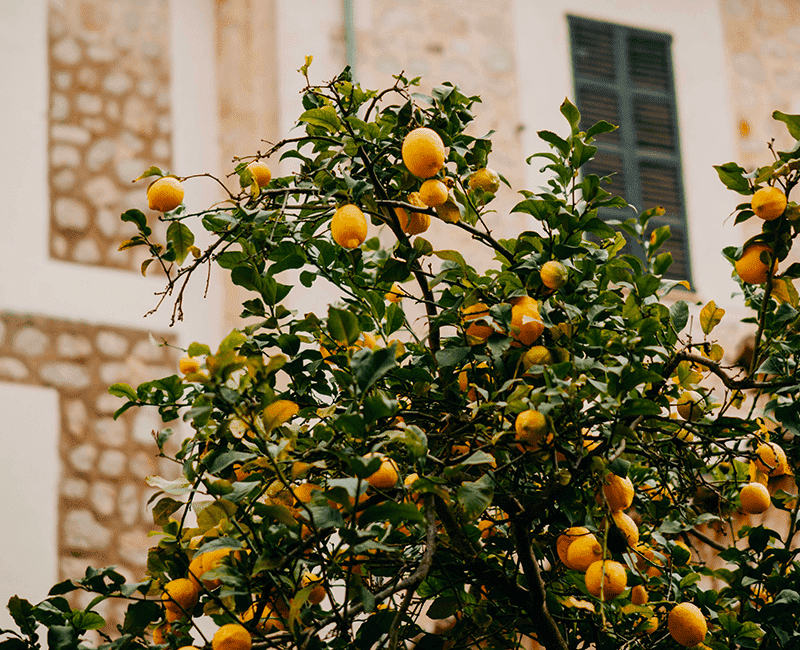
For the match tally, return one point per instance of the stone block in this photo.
(83, 532)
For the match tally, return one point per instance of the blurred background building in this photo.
(96, 91)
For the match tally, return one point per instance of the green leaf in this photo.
(62, 637)
(198, 350)
(22, 613)
(732, 176)
(555, 140)
(122, 390)
(792, 123)
(88, 620)
(223, 461)
(182, 240)
(679, 315)
(176, 487)
(710, 316)
(137, 217)
(151, 171)
(475, 496)
(145, 264)
(452, 256)
(163, 509)
(343, 326)
(443, 607)
(569, 111)
(600, 127)
(325, 117)
(369, 366)
(452, 356)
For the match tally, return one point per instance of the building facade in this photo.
(96, 91)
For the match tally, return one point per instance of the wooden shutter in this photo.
(624, 76)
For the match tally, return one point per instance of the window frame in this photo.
(634, 156)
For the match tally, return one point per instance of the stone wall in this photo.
(763, 42)
(103, 518)
(109, 120)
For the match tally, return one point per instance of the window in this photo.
(624, 76)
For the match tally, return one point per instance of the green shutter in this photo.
(624, 75)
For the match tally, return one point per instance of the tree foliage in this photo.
(295, 415)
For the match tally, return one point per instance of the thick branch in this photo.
(547, 631)
(716, 368)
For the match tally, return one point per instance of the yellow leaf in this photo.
(783, 290)
(710, 317)
(713, 352)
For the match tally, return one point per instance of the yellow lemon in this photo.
(395, 294)
(530, 427)
(423, 152)
(618, 492)
(165, 194)
(687, 625)
(386, 476)
(566, 538)
(433, 193)
(750, 267)
(449, 211)
(583, 551)
(418, 222)
(771, 459)
(526, 323)
(755, 498)
(485, 179)
(478, 330)
(278, 413)
(627, 527)
(768, 203)
(538, 355)
(232, 637)
(261, 173)
(690, 406)
(179, 597)
(349, 226)
(188, 366)
(554, 274)
(606, 579)
(639, 595)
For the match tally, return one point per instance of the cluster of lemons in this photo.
(580, 550)
(423, 154)
(770, 462)
(753, 267)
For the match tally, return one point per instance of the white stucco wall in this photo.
(29, 476)
(704, 115)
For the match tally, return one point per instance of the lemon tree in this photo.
(550, 457)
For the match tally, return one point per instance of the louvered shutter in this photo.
(624, 76)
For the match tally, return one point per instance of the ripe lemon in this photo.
(385, 476)
(530, 427)
(317, 594)
(768, 203)
(566, 538)
(279, 413)
(423, 152)
(639, 595)
(418, 222)
(179, 597)
(526, 323)
(305, 492)
(485, 179)
(165, 194)
(206, 562)
(478, 330)
(771, 459)
(433, 193)
(269, 620)
(554, 274)
(449, 211)
(349, 226)
(687, 625)
(690, 406)
(627, 527)
(538, 355)
(609, 575)
(750, 268)
(583, 552)
(188, 366)
(395, 294)
(618, 492)
(261, 173)
(232, 637)
(160, 633)
(755, 498)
